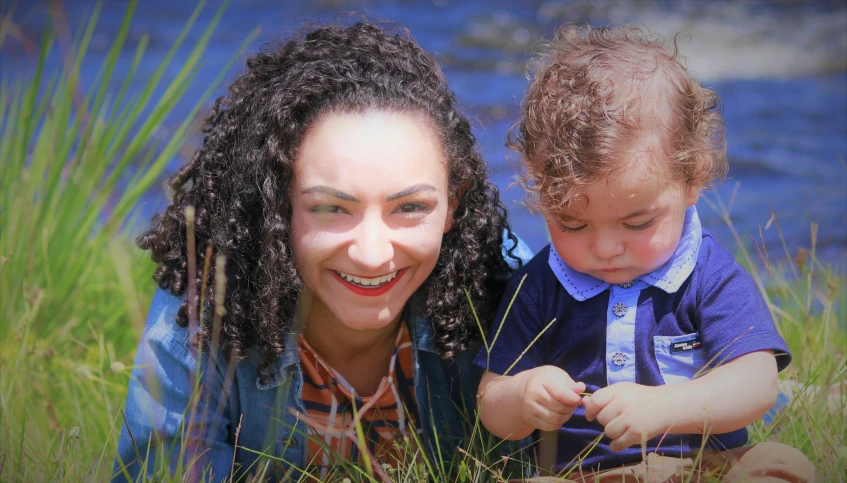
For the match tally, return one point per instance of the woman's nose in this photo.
(372, 247)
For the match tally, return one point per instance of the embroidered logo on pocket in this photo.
(686, 345)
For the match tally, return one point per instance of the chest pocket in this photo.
(680, 357)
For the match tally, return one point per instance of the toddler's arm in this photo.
(512, 407)
(725, 399)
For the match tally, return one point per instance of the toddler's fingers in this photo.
(608, 413)
(621, 434)
(603, 396)
(543, 425)
(625, 440)
(564, 395)
(563, 378)
(547, 423)
(546, 419)
(578, 387)
(619, 444)
(591, 407)
(616, 428)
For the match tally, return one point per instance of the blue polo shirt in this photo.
(699, 310)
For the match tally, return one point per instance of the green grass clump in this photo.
(74, 290)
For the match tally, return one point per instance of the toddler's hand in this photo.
(629, 412)
(549, 397)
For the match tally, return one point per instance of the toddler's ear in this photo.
(692, 195)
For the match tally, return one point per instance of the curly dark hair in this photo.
(238, 183)
(595, 94)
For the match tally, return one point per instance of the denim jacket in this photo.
(255, 415)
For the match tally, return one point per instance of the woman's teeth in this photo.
(367, 282)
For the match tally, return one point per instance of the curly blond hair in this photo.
(599, 94)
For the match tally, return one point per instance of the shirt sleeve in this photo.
(159, 406)
(510, 348)
(732, 316)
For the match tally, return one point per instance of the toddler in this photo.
(673, 348)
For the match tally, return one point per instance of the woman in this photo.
(346, 194)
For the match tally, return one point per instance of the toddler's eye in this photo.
(412, 208)
(570, 229)
(640, 227)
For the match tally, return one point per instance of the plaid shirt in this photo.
(329, 399)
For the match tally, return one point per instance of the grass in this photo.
(74, 290)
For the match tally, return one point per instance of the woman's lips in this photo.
(369, 291)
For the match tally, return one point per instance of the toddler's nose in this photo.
(607, 248)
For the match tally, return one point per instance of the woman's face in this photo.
(370, 205)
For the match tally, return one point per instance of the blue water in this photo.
(781, 70)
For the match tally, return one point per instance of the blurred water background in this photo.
(780, 68)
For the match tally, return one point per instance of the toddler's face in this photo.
(630, 226)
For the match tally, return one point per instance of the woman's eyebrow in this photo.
(347, 197)
(410, 190)
(329, 191)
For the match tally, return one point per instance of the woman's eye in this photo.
(327, 209)
(571, 229)
(412, 208)
(640, 227)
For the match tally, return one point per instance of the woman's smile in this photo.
(369, 287)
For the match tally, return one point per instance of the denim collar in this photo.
(282, 367)
(669, 277)
(420, 326)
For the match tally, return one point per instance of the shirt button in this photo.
(619, 359)
(619, 309)
(625, 284)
